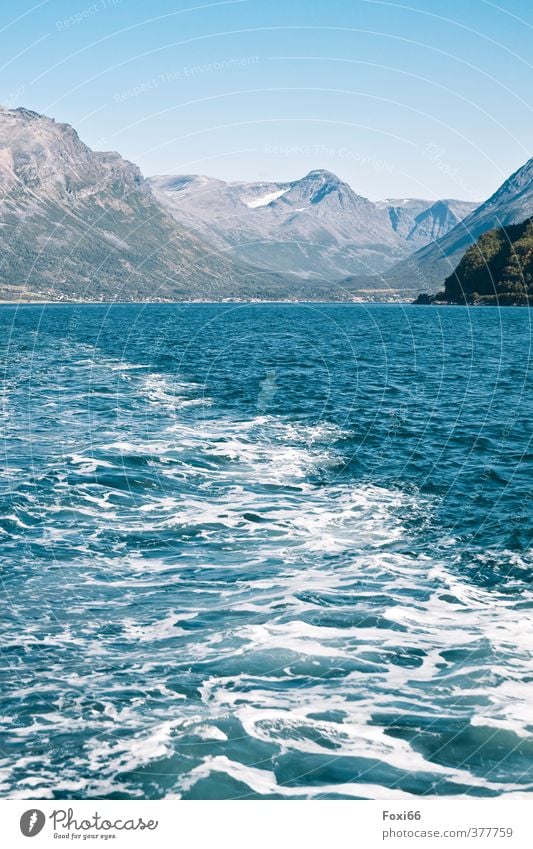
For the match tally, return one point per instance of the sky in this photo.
(400, 99)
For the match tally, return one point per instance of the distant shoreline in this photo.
(34, 303)
(197, 302)
(4, 302)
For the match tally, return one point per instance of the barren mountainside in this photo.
(81, 224)
(316, 226)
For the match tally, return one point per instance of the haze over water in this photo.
(266, 551)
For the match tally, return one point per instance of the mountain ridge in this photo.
(314, 226)
(510, 204)
(82, 224)
(75, 221)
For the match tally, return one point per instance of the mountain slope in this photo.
(497, 269)
(314, 227)
(427, 268)
(80, 224)
(422, 221)
(317, 227)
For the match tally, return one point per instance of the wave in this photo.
(219, 604)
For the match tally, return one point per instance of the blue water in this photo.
(266, 551)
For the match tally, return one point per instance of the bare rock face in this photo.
(50, 159)
(82, 224)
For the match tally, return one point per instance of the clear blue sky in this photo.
(415, 98)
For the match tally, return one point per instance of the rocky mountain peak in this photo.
(43, 160)
(320, 175)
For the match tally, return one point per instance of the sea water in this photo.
(266, 551)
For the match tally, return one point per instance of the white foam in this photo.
(131, 753)
(263, 782)
(89, 465)
(345, 617)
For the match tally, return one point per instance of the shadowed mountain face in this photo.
(315, 227)
(427, 269)
(80, 224)
(420, 222)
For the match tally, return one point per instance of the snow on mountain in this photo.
(265, 199)
(313, 226)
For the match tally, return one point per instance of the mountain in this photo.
(80, 224)
(316, 227)
(422, 221)
(497, 269)
(426, 269)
